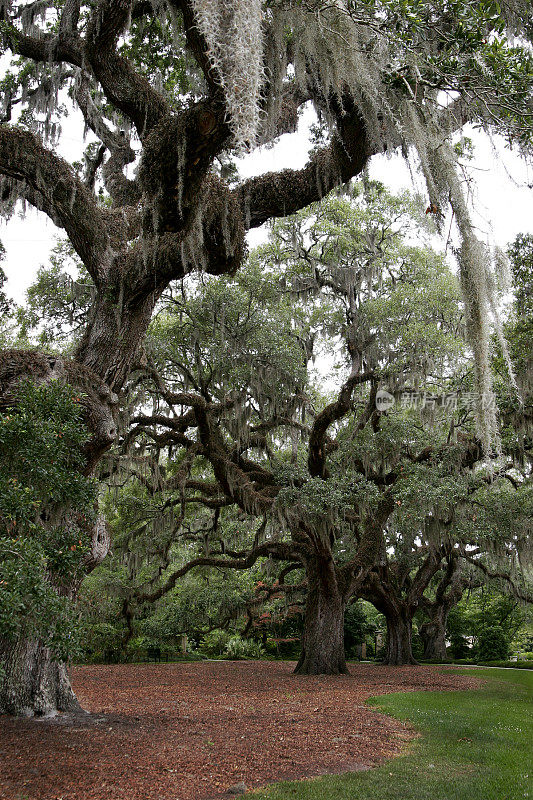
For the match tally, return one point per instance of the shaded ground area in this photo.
(191, 731)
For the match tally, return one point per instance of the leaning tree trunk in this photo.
(399, 638)
(323, 636)
(33, 683)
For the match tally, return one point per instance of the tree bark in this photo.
(323, 636)
(33, 683)
(433, 635)
(399, 638)
(449, 592)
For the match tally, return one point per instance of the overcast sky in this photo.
(503, 198)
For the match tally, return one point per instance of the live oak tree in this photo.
(312, 255)
(416, 574)
(432, 556)
(230, 371)
(458, 527)
(397, 589)
(488, 533)
(175, 85)
(495, 524)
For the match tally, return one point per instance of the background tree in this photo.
(323, 475)
(449, 590)
(477, 616)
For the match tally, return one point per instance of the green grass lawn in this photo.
(475, 745)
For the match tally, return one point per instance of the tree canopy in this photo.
(188, 82)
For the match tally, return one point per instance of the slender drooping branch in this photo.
(121, 189)
(517, 591)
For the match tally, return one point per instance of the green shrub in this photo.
(101, 642)
(417, 646)
(238, 648)
(46, 515)
(356, 627)
(492, 643)
(459, 647)
(214, 643)
(290, 648)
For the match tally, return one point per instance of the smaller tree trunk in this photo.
(399, 638)
(323, 636)
(33, 682)
(433, 634)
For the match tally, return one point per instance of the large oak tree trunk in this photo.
(323, 636)
(399, 638)
(33, 683)
(111, 340)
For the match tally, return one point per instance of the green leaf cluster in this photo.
(46, 508)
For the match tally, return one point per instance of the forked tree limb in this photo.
(335, 411)
(277, 550)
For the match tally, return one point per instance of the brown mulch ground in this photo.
(191, 731)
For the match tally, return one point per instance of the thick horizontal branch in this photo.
(59, 193)
(278, 550)
(65, 47)
(278, 194)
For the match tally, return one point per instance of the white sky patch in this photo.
(502, 196)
